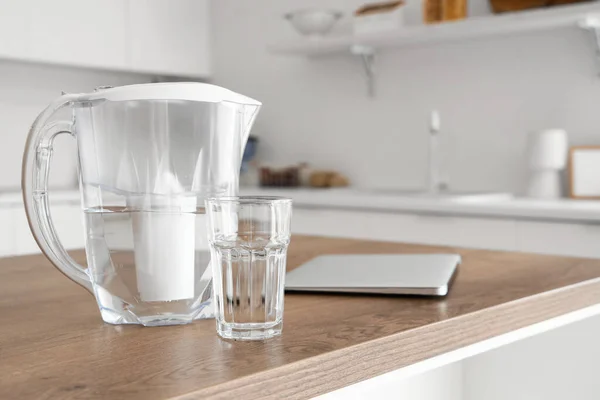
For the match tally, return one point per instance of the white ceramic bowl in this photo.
(313, 23)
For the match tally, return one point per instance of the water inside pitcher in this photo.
(149, 156)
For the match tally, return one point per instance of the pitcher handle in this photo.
(34, 182)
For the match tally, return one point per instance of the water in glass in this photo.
(249, 287)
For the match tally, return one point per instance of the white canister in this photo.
(549, 150)
(547, 158)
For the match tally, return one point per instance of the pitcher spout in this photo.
(248, 110)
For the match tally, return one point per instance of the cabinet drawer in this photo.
(24, 241)
(7, 232)
(351, 224)
(482, 233)
(411, 228)
(581, 240)
(67, 220)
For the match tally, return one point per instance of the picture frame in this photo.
(584, 172)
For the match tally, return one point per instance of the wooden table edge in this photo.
(340, 368)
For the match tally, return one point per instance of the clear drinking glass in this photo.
(248, 238)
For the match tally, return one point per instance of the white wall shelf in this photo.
(585, 15)
(472, 28)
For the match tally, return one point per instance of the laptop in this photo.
(411, 274)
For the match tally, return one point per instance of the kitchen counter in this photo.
(53, 343)
(566, 210)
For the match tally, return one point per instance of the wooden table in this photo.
(53, 343)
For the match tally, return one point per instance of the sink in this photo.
(458, 196)
(482, 197)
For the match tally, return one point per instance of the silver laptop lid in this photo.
(424, 274)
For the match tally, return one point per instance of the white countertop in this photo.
(521, 208)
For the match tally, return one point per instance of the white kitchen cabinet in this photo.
(555, 365)
(569, 239)
(7, 234)
(352, 224)
(485, 233)
(443, 383)
(15, 22)
(81, 33)
(165, 37)
(170, 37)
(67, 221)
(24, 242)
(341, 223)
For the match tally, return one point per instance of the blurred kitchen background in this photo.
(436, 121)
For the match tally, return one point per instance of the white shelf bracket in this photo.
(592, 24)
(367, 56)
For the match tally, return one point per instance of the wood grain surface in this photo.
(54, 345)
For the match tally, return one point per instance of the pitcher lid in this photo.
(192, 91)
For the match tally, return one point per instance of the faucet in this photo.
(435, 184)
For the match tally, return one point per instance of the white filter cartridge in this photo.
(164, 243)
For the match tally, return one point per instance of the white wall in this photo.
(491, 93)
(25, 90)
